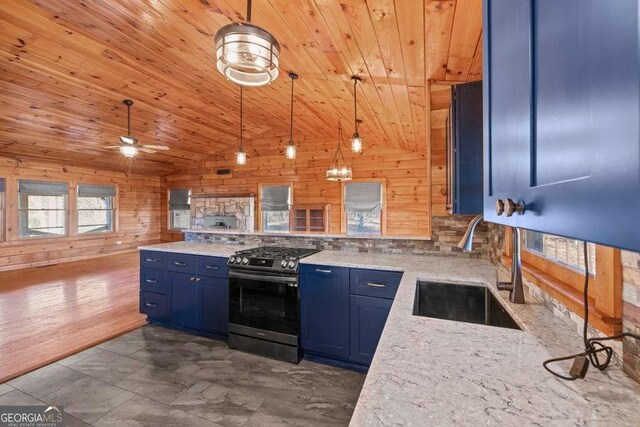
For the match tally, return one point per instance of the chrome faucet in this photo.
(515, 288)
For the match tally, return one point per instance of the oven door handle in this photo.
(265, 278)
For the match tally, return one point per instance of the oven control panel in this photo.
(288, 263)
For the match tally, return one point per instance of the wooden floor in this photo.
(48, 313)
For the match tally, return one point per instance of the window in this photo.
(275, 206)
(2, 184)
(363, 207)
(42, 208)
(179, 208)
(563, 251)
(96, 208)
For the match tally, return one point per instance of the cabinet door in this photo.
(324, 311)
(467, 154)
(184, 297)
(213, 304)
(507, 98)
(583, 161)
(368, 316)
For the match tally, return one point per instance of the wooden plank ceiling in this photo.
(67, 65)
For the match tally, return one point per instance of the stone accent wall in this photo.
(242, 208)
(631, 312)
(628, 353)
(447, 232)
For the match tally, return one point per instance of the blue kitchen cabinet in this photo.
(466, 149)
(562, 117)
(324, 310)
(368, 317)
(184, 299)
(213, 304)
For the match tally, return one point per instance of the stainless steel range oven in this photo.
(264, 301)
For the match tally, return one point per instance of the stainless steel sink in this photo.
(464, 303)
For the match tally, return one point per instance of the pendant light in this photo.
(356, 141)
(339, 171)
(247, 54)
(128, 148)
(241, 155)
(290, 149)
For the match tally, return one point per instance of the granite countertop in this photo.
(438, 372)
(208, 249)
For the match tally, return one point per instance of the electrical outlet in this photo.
(119, 242)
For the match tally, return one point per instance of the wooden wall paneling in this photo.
(138, 199)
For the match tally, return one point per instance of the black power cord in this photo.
(593, 346)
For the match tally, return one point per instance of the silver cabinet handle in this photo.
(376, 285)
(152, 281)
(319, 270)
(212, 267)
(192, 279)
(198, 279)
(180, 263)
(151, 304)
(151, 259)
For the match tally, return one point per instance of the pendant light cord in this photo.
(128, 120)
(291, 124)
(355, 103)
(241, 142)
(248, 10)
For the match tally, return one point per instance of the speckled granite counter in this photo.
(438, 372)
(208, 249)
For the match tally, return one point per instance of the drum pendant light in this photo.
(247, 54)
(356, 140)
(241, 155)
(290, 149)
(339, 171)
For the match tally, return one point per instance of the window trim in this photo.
(383, 209)
(260, 219)
(566, 284)
(169, 227)
(69, 209)
(114, 210)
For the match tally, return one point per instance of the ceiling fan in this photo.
(129, 146)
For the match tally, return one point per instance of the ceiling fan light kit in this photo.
(247, 54)
(129, 146)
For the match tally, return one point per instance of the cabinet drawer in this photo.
(374, 283)
(152, 259)
(182, 263)
(213, 266)
(153, 280)
(154, 305)
(325, 272)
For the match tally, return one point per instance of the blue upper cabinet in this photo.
(466, 133)
(562, 117)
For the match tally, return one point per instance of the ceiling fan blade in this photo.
(112, 146)
(156, 147)
(146, 150)
(128, 139)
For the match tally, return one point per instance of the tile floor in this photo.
(158, 376)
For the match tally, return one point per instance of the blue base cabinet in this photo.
(324, 310)
(185, 291)
(368, 316)
(343, 310)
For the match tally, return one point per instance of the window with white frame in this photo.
(560, 250)
(96, 208)
(2, 208)
(179, 208)
(42, 208)
(275, 206)
(363, 207)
